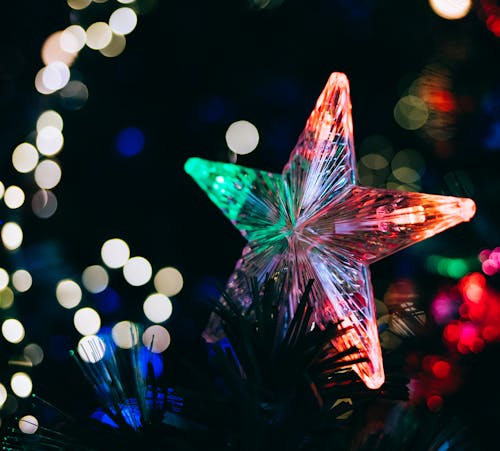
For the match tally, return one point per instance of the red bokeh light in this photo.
(479, 312)
(434, 402)
(489, 11)
(441, 369)
(451, 332)
(443, 101)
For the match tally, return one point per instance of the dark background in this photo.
(190, 69)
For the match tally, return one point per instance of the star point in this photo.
(314, 222)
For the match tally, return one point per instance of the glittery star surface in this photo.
(314, 222)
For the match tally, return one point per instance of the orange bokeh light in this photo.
(52, 51)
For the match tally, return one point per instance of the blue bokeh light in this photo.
(492, 139)
(130, 141)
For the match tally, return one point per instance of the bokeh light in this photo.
(156, 338)
(99, 35)
(375, 151)
(411, 112)
(39, 83)
(49, 118)
(91, 348)
(2, 189)
(115, 47)
(123, 21)
(4, 278)
(3, 394)
(125, 334)
(12, 235)
(79, 4)
(28, 424)
(490, 261)
(137, 271)
(55, 76)
(403, 169)
(34, 353)
(24, 158)
(374, 161)
(13, 330)
(130, 141)
(68, 293)
(73, 38)
(489, 11)
(115, 253)
(242, 137)
(21, 384)
(14, 197)
(49, 140)
(168, 281)
(451, 9)
(6, 298)
(48, 174)
(53, 52)
(476, 315)
(74, 95)
(21, 280)
(44, 203)
(87, 321)
(450, 267)
(157, 308)
(95, 278)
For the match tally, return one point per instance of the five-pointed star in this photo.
(314, 222)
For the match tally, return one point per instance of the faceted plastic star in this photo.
(314, 222)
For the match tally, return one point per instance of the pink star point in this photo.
(314, 222)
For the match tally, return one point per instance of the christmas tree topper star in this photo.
(314, 222)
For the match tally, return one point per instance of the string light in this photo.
(21, 280)
(99, 35)
(48, 174)
(125, 334)
(123, 21)
(34, 353)
(21, 384)
(68, 293)
(12, 235)
(168, 281)
(242, 137)
(13, 330)
(3, 395)
(115, 253)
(95, 279)
(4, 278)
(24, 158)
(58, 53)
(91, 348)
(73, 38)
(157, 307)
(137, 271)
(156, 338)
(451, 9)
(87, 321)
(28, 424)
(14, 197)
